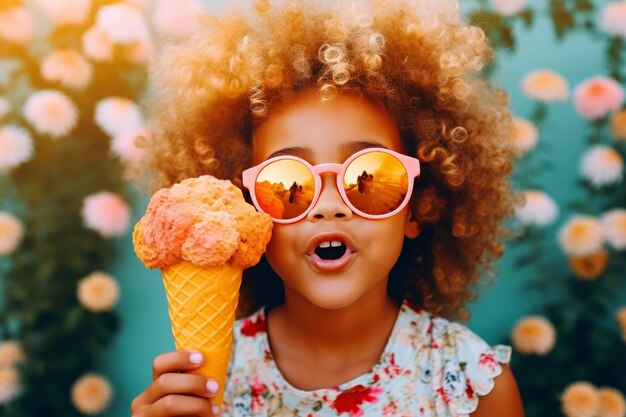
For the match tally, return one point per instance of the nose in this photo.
(329, 205)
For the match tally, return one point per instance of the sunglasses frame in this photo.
(411, 165)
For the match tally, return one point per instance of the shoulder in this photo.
(504, 396)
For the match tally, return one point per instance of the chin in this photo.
(332, 297)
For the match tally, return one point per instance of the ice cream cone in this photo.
(202, 303)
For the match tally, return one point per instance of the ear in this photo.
(412, 228)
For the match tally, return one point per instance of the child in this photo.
(345, 313)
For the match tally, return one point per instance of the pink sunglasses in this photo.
(375, 183)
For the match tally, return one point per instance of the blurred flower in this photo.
(11, 233)
(16, 25)
(589, 267)
(68, 67)
(508, 8)
(533, 335)
(139, 52)
(65, 12)
(125, 147)
(97, 292)
(50, 112)
(597, 96)
(117, 115)
(618, 125)
(614, 227)
(620, 316)
(16, 146)
(142, 5)
(176, 19)
(525, 135)
(91, 394)
(5, 108)
(580, 399)
(580, 236)
(613, 18)
(11, 353)
(612, 403)
(9, 384)
(601, 165)
(539, 209)
(97, 45)
(106, 213)
(545, 85)
(122, 22)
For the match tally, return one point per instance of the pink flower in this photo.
(125, 146)
(16, 25)
(177, 19)
(597, 96)
(106, 213)
(613, 18)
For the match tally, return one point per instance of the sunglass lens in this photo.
(376, 183)
(284, 189)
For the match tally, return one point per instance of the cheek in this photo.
(280, 249)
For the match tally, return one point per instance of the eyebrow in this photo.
(348, 148)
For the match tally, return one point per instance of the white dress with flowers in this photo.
(429, 367)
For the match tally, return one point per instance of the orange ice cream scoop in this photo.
(202, 234)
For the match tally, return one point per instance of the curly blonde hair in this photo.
(417, 58)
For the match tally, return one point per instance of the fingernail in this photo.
(216, 410)
(212, 386)
(195, 357)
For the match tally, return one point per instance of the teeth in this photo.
(324, 245)
(335, 243)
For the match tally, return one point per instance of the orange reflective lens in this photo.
(376, 183)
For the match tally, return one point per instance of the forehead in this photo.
(324, 130)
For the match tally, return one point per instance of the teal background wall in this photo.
(145, 330)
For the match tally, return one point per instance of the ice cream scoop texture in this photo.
(203, 220)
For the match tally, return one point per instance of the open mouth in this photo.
(331, 250)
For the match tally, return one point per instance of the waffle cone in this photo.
(202, 304)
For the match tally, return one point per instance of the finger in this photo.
(179, 360)
(172, 383)
(182, 405)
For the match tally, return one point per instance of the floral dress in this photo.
(430, 367)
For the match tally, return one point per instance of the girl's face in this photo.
(321, 133)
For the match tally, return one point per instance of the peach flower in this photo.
(97, 45)
(10, 386)
(125, 147)
(123, 23)
(620, 316)
(590, 267)
(16, 147)
(106, 213)
(508, 8)
(597, 96)
(539, 210)
(11, 353)
(65, 12)
(68, 67)
(97, 292)
(5, 108)
(618, 125)
(533, 335)
(91, 394)
(11, 233)
(580, 236)
(51, 112)
(602, 165)
(525, 135)
(545, 85)
(613, 18)
(580, 399)
(177, 19)
(614, 227)
(140, 51)
(16, 25)
(117, 116)
(612, 403)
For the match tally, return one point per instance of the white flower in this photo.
(540, 209)
(124, 145)
(68, 67)
(16, 25)
(176, 19)
(91, 394)
(5, 108)
(9, 384)
(545, 85)
(97, 292)
(16, 146)
(581, 235)
(613, 18)
(117, 115)
(614, 227)
(11, 353)
(11, 233)
(65, 12)
(97, 45)
(525, 135)
(51, 112)
(106, 213)
(123, 23)
(602, 165)
(508, 8)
